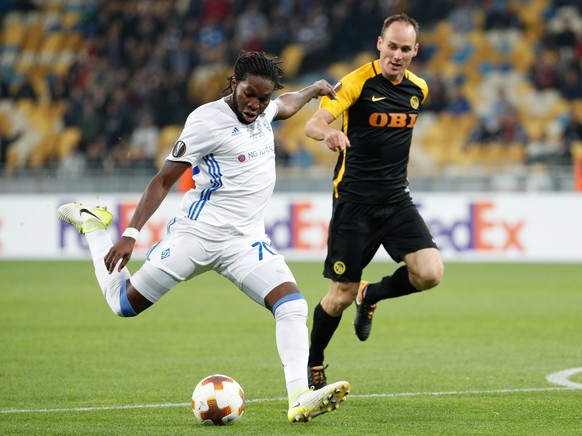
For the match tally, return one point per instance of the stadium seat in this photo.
(14, 30)
(168, 137)
(207, 82)
(67, 140)
(337, 70)
(292, 55)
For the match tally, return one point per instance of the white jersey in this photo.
(233, 167)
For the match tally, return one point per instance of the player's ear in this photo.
(233, 84)
(416, 46)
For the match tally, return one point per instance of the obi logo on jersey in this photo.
(379, 119)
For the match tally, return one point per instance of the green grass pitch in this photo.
(470, 357)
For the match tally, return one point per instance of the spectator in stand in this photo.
(563, 35)
(313, 34)
(499, 15)
(544, 72)
(143, 143)
(91, 124)
(457, 103)
(462, 16)
(301, 157)
(511, 129)
(345, 29)
(279, 30)
(437, 99)
(213, 41)
(251, 28)
(572, 134)
(72, 165)
(25, 90)
(571, 84)
(117, 125)
(96, 155)
(119, 155)
(482, 134)
(499, 107)
(4, 88)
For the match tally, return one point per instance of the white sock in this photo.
(110, 284)
(293, 343)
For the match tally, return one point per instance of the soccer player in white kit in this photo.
(229, 146)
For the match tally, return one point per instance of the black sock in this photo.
(324, 326)
(392, 286)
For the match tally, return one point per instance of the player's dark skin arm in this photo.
(156, 191)
(291, 102)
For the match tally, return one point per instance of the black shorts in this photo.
(356, 231)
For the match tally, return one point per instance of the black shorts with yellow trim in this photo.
(357, 231)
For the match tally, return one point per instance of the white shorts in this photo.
(190, 248)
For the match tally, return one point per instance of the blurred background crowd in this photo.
(94, 88)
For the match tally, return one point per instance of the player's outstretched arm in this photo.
(291, 102)
(318, 128)
(152, 197)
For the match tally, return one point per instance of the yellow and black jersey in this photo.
(378, 116)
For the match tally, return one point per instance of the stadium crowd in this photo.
(141, 66)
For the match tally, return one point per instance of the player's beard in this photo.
(233, 103)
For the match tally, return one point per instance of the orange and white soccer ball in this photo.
(218, 400)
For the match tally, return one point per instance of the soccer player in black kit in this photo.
(372, 206)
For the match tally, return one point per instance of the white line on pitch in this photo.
(264, 400)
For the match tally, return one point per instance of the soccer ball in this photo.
(218, 400)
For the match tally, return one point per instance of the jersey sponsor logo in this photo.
(339, 267)
(379, 119)
(267, 150)
(478, 229)
(414, 102)
(375, 99)
(179, 149)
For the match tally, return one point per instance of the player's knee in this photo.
(431, 277)
(116, 296)
(339, 297)
(292, 305)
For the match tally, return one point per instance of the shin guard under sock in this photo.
(396, 285)
(324, 326)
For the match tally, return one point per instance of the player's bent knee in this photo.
(124, 300)
(126, 310)
(343, 294)
(431, 278)
(292, 305)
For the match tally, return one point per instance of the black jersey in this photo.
(378, 116)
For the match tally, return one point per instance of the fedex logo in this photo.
(481, 230)
(298, 230)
